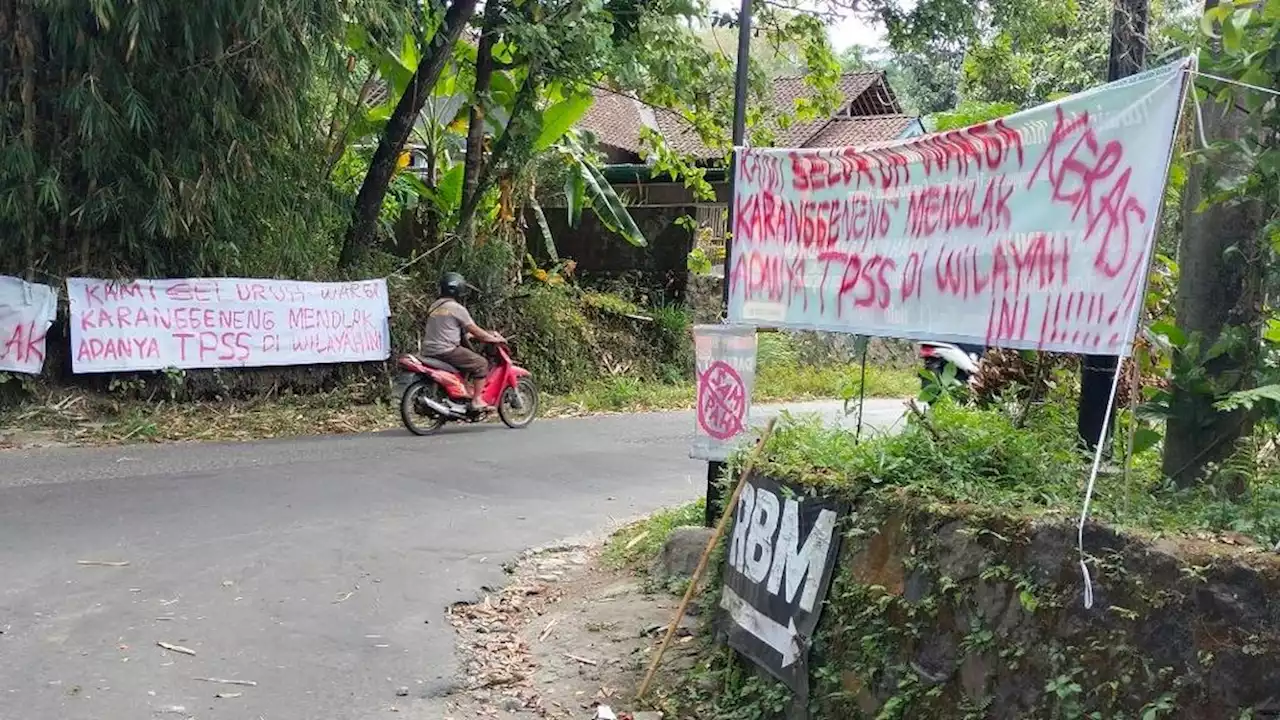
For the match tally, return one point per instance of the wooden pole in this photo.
(706, 557)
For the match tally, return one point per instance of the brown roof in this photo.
(617, 119)
(844, 132)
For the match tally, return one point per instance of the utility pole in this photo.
(715, 469)
(1097, 372)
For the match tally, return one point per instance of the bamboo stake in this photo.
(728, 511)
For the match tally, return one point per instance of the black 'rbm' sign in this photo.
(782, 551)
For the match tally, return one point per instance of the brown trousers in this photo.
(472, 364)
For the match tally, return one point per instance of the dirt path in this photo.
(567, 635)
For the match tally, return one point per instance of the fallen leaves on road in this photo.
(500, 665)
(74, 418)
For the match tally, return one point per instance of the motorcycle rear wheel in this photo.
(519, 417)
(412, 409)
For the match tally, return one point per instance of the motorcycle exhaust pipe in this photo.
(442, 409)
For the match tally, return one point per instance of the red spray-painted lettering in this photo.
(262, 292)
(879, 169)
(104, 293)
(867, 280)
(325, 343)
(765, 218)
(1078, 318)
(763, 171)
(974, 205)
(179, 318)
(765, 275)
(116, 349)
(983, 147)
(24, 344)
(1093, 179)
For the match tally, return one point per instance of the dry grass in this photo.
(77, 418)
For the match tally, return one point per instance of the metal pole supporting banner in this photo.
(714, 469)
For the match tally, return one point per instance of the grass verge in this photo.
(636, 545)
(774, 383)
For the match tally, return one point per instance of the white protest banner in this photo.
(225, 322)
(1030, 232)
(726, 365)
(26, 312)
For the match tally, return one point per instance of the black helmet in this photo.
(452, 285)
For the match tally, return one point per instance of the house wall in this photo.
(602, 254)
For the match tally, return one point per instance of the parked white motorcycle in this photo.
(937, 355)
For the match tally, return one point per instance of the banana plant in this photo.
(586, 187)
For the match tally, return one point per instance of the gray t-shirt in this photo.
(447, 324)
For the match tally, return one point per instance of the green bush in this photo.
(553, 339)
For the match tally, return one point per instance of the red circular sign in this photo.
(722, 401)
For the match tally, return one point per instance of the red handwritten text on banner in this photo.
(224, 322)
(26, 311)
(1032, 231)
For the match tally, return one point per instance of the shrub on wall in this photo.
(958, 592)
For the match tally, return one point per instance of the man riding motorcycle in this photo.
(448, 323)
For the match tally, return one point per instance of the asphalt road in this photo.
(318, 568)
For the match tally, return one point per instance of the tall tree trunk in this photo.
(364, 217)
(1219, 287)
(473, 164)
(26, 40)
(523, 106)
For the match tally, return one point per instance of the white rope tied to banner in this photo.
(1195, 98)
(1241, 83)
(1115, 379)
(1093, 479)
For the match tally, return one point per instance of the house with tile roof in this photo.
(869, 113)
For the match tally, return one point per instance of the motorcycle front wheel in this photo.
(414, 413)
(519, 405)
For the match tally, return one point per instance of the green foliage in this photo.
(553, 339)
(1247, 38)
(558, 119)
(698, 262)
(993, 72)
(970, 112)
(1222, 384)
(603, 349)
(966, 455)
(148, 139)
(586, 186)
(1023, 52)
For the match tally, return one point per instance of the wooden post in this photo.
(706, 557)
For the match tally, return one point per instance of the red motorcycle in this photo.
(440, 394)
